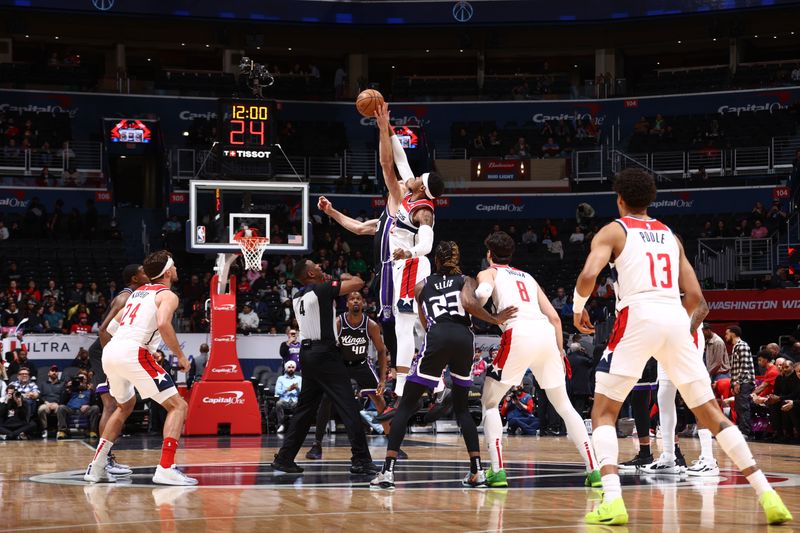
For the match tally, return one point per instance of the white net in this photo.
(252, 250)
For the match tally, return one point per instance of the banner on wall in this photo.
(740, 305)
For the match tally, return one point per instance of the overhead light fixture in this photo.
(258, 48)
(462, 50)
(208, 46)
(290, 48)
(392, 66)
(57, 37)
(755, 36)
(714, 39)
(185, 133)
(774, 36)
(183, 44)
(27, 36)
(658, 62)
(680, 42)
(575, 65)
(149, 60)
(428, 51)
(123, 157)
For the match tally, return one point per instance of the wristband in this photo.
(578, 302)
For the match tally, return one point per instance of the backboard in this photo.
(220, 209)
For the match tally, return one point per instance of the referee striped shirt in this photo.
(315, 308)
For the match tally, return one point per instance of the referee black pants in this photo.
(324, 373)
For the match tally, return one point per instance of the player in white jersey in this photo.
(410, 202)
(129, 364)
(652, 271)
(532, 339)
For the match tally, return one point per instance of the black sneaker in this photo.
(315, 452)
(680, 460)
(387, 413)
(364, 468)
(402, 455)
(287, 468)
(634, 464)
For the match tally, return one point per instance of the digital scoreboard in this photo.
(246, 128)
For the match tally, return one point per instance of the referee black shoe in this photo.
(637, 462)
(364, 468)
(288, 468)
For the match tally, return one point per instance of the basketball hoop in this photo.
(252, 250)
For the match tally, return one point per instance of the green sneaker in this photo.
(496, 479)
(593, 479)
(611, 513)
(773, 506)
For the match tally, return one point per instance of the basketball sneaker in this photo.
(402, 455)
(365, 468)
(287, 468)
(478, 479)
(387, 413)
(634, 464)
(774, 509)
(593, 479)
(384, 480)
(680, 460)
(315, 452)
(117, 469)
(172, 476)
(663, 465)
(704, 468)
(496, 479)
(96, 473)
(611, 513)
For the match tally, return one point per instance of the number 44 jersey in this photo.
(441, 299)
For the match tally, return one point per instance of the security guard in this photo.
(323, 367)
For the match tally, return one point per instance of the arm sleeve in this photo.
(424, 242)
(400, 160)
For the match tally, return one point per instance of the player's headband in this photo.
(170, 264)
(428, 192)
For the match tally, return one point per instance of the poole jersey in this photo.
(139, 322)
(403, 234)
(441, 298)
(353, 340)
(647, 269)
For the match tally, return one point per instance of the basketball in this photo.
(368, 101)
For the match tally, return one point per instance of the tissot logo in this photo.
(225, 369)
(230, 397)
(225, 338)
(247, 154)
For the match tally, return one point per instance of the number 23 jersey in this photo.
(648, 267)
(441, 299)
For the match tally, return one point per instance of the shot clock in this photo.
(246, 128)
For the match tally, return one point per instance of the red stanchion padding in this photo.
(223, 396)
(223, 363)
(217, 402)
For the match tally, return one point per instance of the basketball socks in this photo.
(611, 487)
(644, 450)
(475, 464)
(388, 464)
(400, 385)
(732, 443)
(606, 448)
(493, 431)
(668, 415)
(706, 446)
(576, 429)
(168, 452)
(103, 449)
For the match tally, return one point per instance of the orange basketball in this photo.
(368, 101)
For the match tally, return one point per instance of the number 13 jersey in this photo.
(647, 269)
(517, 288)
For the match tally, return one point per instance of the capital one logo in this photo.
(225, 369)
(225, 307)
(225, 338)
(227, 398)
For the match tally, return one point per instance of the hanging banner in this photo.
(771, 304)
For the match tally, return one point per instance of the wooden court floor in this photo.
(41, 489)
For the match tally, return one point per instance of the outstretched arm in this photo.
(368, 227)
(602, 250)
(396, 190)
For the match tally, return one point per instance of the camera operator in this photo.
(15, 423)
(517, 407)
(77, 400)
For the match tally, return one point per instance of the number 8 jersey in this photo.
(139, 322)
(647, 269)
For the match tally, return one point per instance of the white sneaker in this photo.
(96, 473)
(44, 434)
(280, 429)
(172, 476)
(384, 480)
(475, 480)
(115, 468)
(704, 468)
(661, 466)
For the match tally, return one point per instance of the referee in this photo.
(323, 368)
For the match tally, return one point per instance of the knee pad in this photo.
(613, 386)
(696, 393)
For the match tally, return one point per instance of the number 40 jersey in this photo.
(441, 299)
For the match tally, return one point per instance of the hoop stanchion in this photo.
(223, 396)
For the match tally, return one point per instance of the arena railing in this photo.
(727, 260)
(84, 156)
(361, 163)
